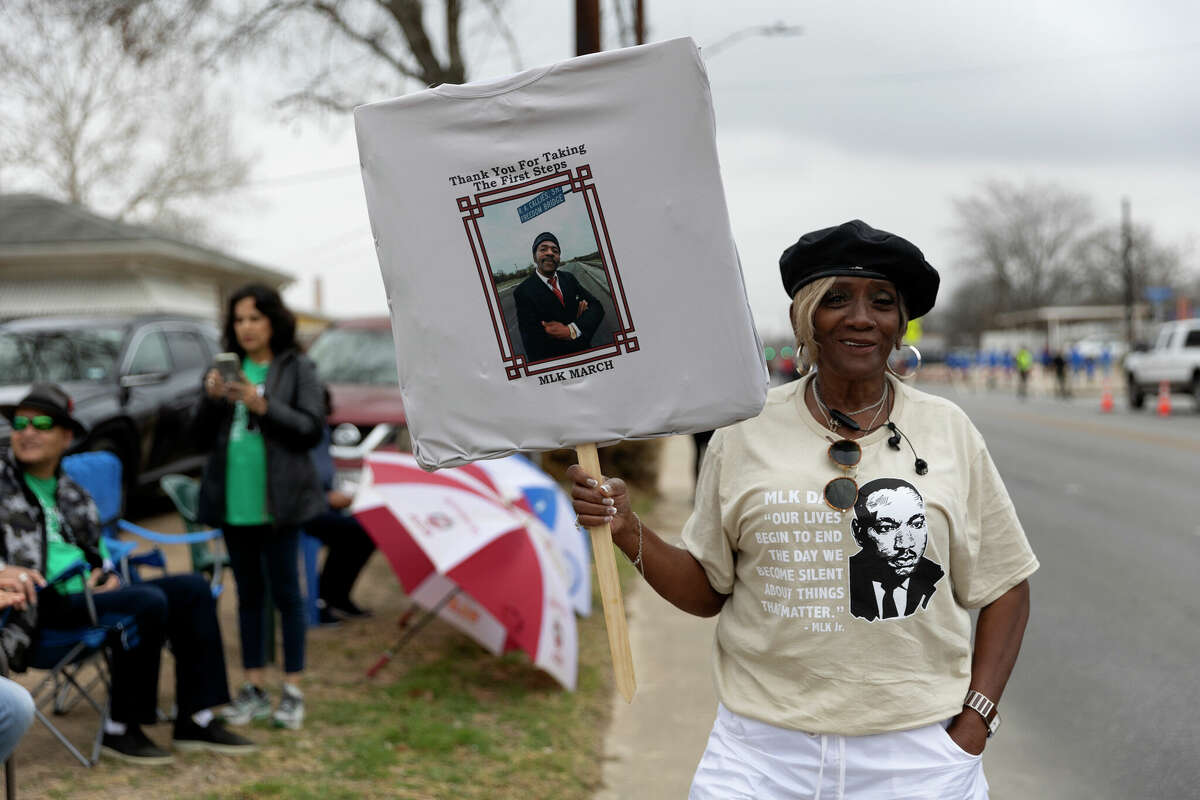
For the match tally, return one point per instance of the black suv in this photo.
(134, 381)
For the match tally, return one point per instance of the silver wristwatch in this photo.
(985, 708)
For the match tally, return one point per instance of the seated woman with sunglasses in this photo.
(843, 566)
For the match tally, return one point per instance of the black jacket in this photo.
(537, 304)
(23, 541)
(291, 427)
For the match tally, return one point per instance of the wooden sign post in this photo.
(610, 587)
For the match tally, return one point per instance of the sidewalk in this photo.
(654, 744)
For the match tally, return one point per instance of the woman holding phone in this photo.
(261, 411)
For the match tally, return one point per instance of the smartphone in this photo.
(228, 365)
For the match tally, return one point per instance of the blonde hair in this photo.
(804, 305)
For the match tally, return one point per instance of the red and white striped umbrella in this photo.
(450, 530)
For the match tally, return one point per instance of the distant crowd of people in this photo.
(261, 413)
(1001, 367)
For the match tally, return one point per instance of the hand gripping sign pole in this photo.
(610, 587)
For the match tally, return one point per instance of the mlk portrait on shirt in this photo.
(556, 316)
(890, 578)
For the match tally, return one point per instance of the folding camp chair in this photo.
(67, 656)
(208, 553)
(100, 474)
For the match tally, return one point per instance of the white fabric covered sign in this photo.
(558, 259)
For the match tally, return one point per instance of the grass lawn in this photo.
(445, 719)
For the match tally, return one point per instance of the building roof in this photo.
(33, 225)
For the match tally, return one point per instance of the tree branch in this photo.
(373, 41)
(454, 39)
(407, 14)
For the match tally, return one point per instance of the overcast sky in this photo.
(881, 111)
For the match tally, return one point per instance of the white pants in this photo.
(749, 759)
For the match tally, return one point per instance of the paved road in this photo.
(653, 745)
(1102, 702)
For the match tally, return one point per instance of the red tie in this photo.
(554, 288)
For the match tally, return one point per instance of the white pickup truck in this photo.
(1175, 358)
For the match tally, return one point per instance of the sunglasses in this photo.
(40, 423)
(840, 493)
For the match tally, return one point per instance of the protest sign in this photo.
(558, 261)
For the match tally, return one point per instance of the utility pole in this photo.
(639, 21)
(587, 27)
(1127, 264)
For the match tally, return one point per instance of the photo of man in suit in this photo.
(555, 315)
(890, 578)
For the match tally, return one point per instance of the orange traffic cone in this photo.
(1106, 401)
(1164, 399)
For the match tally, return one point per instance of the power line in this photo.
(356, 235)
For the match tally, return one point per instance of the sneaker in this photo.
(251, 703)
(134, 747)
(290, 713)
(214, 737)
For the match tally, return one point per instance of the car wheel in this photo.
(1137, 398)
(1196, 389)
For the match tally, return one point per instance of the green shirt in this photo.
(246, 461)
(60, 553)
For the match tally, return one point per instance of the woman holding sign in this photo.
(843, 564)
(260, 485)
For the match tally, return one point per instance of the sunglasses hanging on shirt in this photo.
(840, 493)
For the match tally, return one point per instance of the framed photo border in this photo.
(578, 181)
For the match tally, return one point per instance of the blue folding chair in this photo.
(100, 474)
(66, 655)
(310, 551)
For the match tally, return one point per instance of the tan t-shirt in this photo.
(820, 634)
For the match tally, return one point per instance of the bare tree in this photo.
(1101, 271)
(1026, 238)
(81, 121)
(334, 54)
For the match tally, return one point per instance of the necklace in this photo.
(832, 423)
(882, 405)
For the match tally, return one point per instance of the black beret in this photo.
(856, 249)
(545, 237)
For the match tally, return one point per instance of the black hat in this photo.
(50, 398)
(856, 249)
(545, 237)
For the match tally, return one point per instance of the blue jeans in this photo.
(255, 552)
(16, 715)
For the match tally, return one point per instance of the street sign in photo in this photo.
(540, 204)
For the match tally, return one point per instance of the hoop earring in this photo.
(798, 369)
(908, 374)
